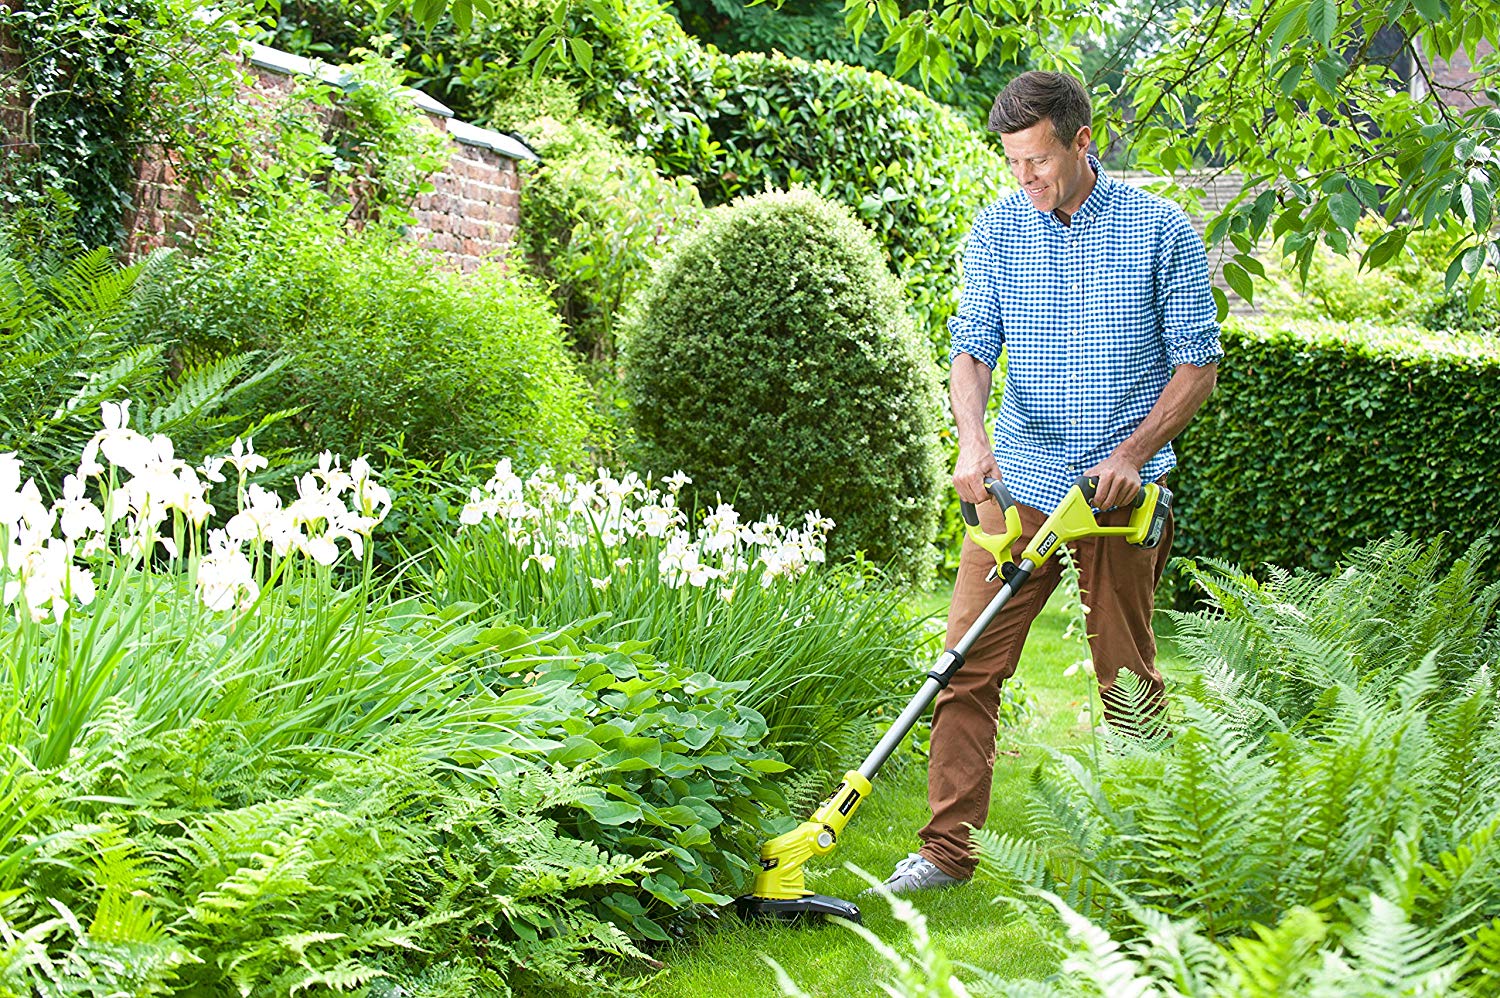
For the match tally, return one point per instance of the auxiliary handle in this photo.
(998, 545)
(997, 491)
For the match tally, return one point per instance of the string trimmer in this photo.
(779, 890)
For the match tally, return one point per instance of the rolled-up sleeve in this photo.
(1185, 303)
(976, 328)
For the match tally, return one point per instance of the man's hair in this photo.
(1036, 95)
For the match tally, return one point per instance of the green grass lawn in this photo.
(829, 959)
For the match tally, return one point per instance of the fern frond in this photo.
(1277, 961)
(1017, 862)
(93, 290)
(1390, 955)
(1097, 957)
(196, 390)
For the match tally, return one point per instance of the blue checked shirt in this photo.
(1094, 317)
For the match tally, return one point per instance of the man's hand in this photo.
(975, 464)
(1119, 482)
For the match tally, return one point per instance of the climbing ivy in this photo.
(90, 83)
(78, 90)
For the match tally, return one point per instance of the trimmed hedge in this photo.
(911, 168)
(771, 361)
(1323, 437)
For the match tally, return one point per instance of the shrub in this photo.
(382, 342)
(773, 362)
(1321, 438)
(910, 167)
(596, 220)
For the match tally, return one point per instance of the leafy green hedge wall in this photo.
(911, 168)
(1322, 437)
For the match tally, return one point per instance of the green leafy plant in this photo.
(359, 147)
(381, 343)
(745, 602)
(772, 361)
(597, 220)
(1322, 761)
(305, 782)
(93, 83)
(77, 330)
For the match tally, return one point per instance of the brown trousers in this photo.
(1118, 582)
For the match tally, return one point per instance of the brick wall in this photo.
(470, 217)
(15, 136)
(474, 208)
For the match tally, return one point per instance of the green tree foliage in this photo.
(773, 362)
(1308, 96)
(1322, 435)
(814, 31)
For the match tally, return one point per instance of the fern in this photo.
(1390, 956)
(1279, 961)
(76, 334)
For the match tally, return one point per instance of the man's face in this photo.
(1052, 174)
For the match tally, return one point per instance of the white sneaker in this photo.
(917, 873)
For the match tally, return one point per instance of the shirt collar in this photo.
(1099, 196)
(1096, 201)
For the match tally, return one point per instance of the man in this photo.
(1099, 294)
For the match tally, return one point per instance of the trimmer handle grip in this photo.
(1151, 535)
(1089, 486)
(997, 491)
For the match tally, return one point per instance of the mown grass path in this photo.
(969, 927)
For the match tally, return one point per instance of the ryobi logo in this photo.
(1046, 545)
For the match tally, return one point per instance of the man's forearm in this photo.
(968, 392)
(1184, 394)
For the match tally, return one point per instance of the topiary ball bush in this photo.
(772, 360)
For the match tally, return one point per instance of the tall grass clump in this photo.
(236, 762)
(823, 649)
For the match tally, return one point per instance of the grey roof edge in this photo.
(505, 145)
(288, 64)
